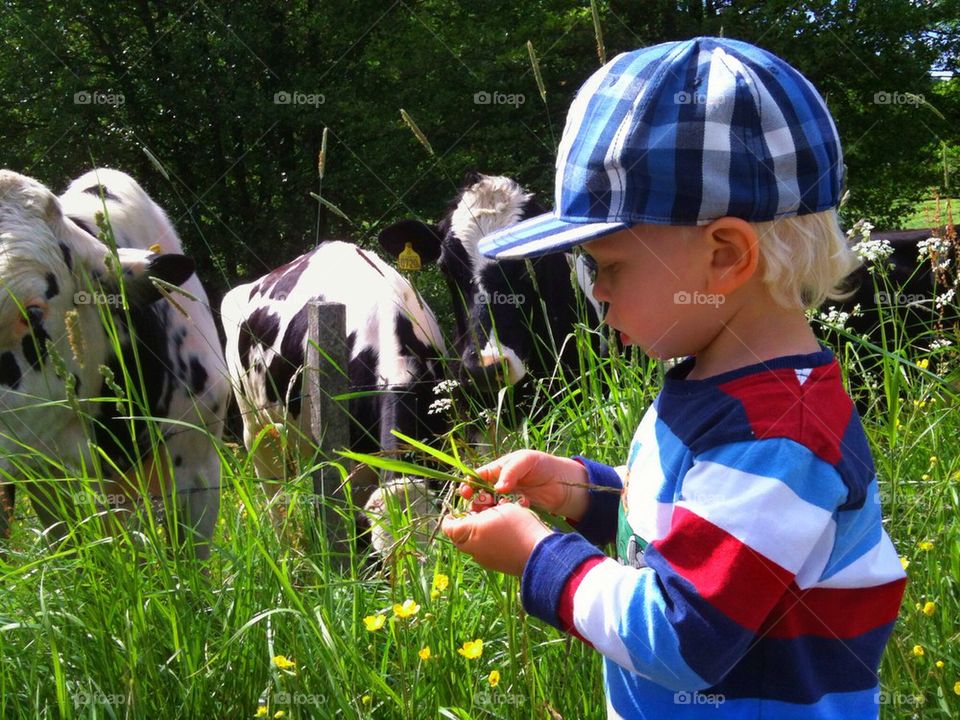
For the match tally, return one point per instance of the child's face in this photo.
(653, 278)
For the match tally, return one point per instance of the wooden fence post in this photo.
(324, 378)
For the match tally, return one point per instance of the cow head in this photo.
(512, 316)
(49, 266)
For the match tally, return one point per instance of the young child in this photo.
(755, 578)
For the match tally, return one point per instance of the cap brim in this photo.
(541, 235)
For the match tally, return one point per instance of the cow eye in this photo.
(591, 265)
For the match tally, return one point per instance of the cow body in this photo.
(174, 365)
(394, 346)
(514, 318)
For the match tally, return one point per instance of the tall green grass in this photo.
(110, 623)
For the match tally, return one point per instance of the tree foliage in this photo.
(199, 83)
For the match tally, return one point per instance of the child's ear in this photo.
(735, 254)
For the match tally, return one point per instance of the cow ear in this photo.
(424, 239)
(534, 207)
(139, 269)
(471, 177)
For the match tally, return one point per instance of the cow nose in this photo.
(35, 316)
(485, 378)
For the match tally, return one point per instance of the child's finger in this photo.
(482, 501)
(466, 491)
(514, 472)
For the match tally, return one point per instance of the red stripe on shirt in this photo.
(565, 606)
(835, 612)
(740, 582)
(770, 407)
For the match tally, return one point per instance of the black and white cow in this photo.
(514, 318)
(395, 353)
(56, 278)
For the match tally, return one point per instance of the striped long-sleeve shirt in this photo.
(768, 588)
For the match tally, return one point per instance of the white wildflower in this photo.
(939, 344)
(440, 406)
(444, 387)
(860, 228)
(873, 251)
(837, 318)
(945, 298)
(932, 247)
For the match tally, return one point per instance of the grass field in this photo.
(926, 215)
(121, 627)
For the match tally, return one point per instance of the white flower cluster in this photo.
(838, 318)
(873, 251)
(445, 387)
(931, 247)
(939, 344)
(944, 299)
(440, 406)
(936, 250)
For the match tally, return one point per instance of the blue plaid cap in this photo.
(684, 133)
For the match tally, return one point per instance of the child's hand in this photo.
(558, 485)
(500, 538)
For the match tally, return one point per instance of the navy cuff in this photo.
(550, 565)
(599, 523)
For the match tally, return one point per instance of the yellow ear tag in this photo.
(408, 259)
(155, 248)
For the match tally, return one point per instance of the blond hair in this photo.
(805, 258)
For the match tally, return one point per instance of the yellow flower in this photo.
(283, 662)
(424, 653)
(956, 687)
(922, 364)
(472, 649)
(924, 477)
(929, 608)
(494, 678)
(939, 664)
(261, 711)
(440, 582)
(408, 609)
(926, 546)
(933, 459)
(918, 650)
(905, 563)
(279, 714)
(374, 622)
(366, 700)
